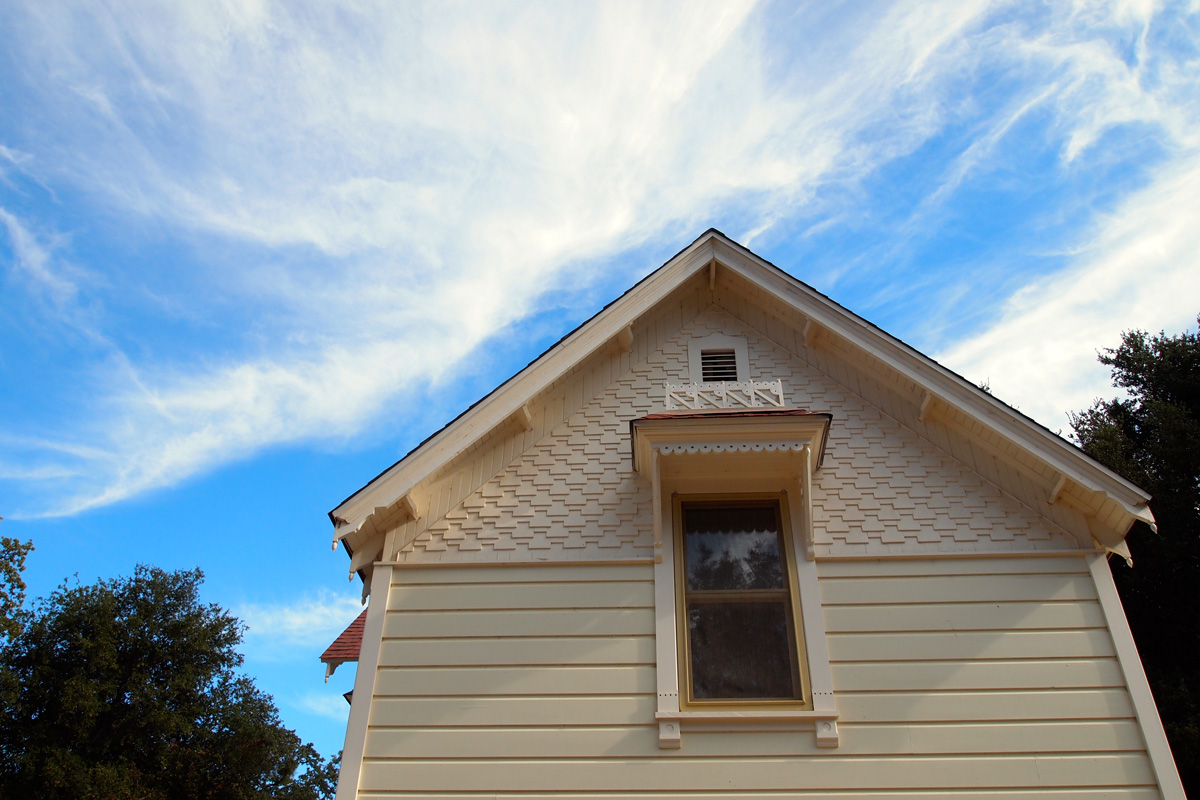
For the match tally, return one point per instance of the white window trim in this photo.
(737, 456)
(718, 341)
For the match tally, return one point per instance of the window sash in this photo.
(787, 596)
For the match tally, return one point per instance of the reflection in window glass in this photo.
(740, 650)
(732, 547)
(740, 627)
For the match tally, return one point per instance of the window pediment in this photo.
(758, 441)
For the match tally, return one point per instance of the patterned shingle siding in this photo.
(883, 488)
(450, 485)
(996, 460)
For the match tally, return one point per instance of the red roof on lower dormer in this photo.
(698, 413)
(346, 646)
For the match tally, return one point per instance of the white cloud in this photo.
(439, 168)
(1141, 270)
(33, 259)
(331, 706)
(23, 473)
(311, 621)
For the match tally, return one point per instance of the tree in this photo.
(128, 688)
(1152, 437)
(12, 587)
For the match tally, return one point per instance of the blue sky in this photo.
(253, 252)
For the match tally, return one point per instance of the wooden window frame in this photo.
(797, 657)
(710, 454)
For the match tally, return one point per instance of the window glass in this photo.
(740, 627)
(732, 547)
(740, 650)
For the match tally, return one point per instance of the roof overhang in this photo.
(734, 442)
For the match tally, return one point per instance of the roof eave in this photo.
(458, 436)
(712, 246)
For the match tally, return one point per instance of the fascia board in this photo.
(457, 437)
(925, 372)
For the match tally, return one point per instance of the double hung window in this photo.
(740, 639)
(739, 632)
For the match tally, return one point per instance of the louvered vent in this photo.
(718, 365)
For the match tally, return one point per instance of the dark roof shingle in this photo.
(346, 646)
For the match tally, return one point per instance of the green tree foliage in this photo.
(12, 587)
(1153, 438)
(128, 689)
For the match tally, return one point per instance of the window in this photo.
(740, 640)
(742, 643)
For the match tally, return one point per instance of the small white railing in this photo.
(726, 394)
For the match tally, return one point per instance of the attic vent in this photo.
(718, 365)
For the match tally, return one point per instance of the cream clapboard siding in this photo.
(981, 677)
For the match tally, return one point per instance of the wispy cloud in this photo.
(1141, 270)
(1137, 266)
(373, 190)
(330, 706)
(310, 621)
(33, 259)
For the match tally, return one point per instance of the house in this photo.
(729, 539)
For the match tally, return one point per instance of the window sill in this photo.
(671, 723)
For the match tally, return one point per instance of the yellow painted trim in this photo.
(364, 686)
(955, 554)
(687, 704)
(609, 562)
(1157, 747)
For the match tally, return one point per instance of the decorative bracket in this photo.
(806, 515)
(368, 555)
(812, 332)
(1059, 486)
(410, 505)
(929, 407)
(827, 733)
(669, 736)
(520, 419)
(624, 339)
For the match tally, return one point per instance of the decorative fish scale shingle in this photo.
(882, 488)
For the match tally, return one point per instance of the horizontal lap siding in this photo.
(989, 656)
(992, 678)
